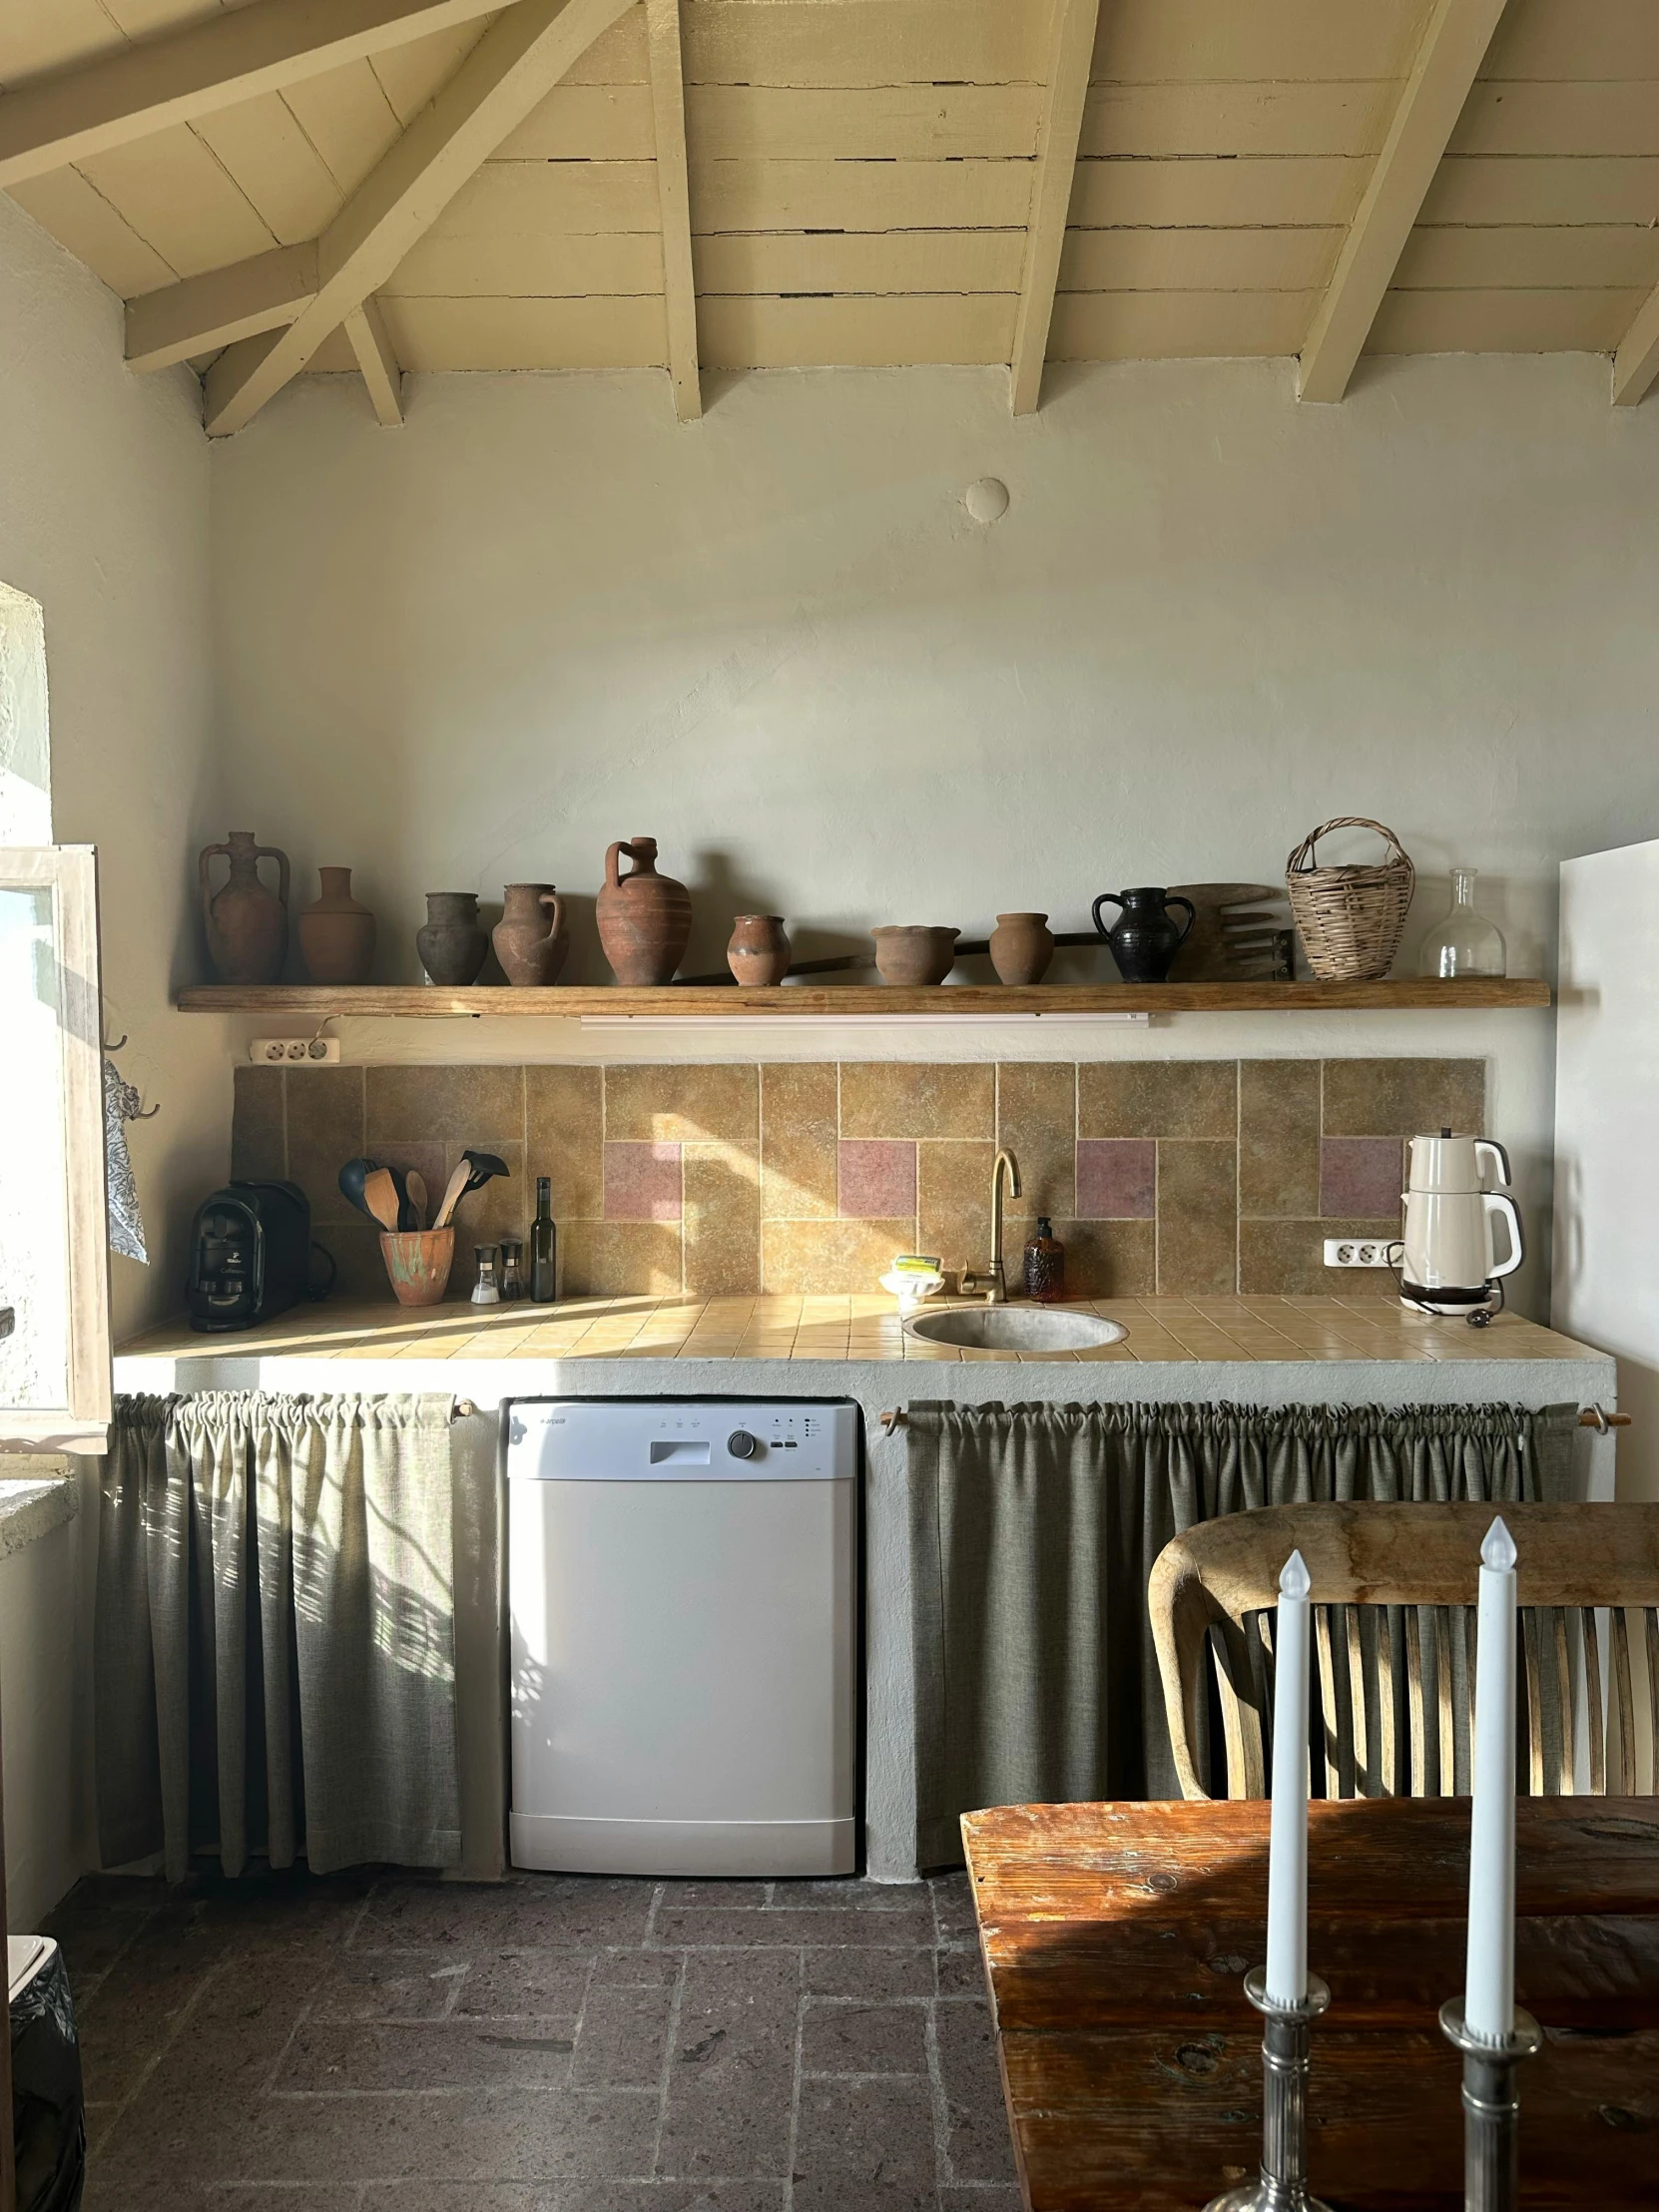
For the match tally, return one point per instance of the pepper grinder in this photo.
(512, 1270)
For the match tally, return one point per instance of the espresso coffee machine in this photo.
(1455, 1201)
(249, 1255)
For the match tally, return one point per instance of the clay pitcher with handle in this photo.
(644, 918)
(246, 922)
(530, 940)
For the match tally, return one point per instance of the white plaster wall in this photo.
(104, 521)
(543, 615)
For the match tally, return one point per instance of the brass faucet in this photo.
(992, 1285)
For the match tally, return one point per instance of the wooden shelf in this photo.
(316, 1001)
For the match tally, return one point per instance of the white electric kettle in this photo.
(1448, 1260)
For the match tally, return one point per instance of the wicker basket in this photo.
(1349, 919)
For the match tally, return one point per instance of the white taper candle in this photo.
(1287, 1969)
(1489, 1989)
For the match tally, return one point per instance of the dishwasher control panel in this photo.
(684, 1439)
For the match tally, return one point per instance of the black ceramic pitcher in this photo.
(1144, 940)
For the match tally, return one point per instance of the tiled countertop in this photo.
(1161, 1331)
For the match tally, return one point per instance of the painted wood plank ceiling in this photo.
(860, 177)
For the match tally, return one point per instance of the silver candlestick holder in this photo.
(1283, 2186)
(1491, 2109)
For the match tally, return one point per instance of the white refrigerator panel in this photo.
(1606, 1266)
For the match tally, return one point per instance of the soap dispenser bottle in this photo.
(1045, 1264)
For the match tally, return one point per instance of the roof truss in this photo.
(1454, 45)
(1071, 50)
(228, 58)
(513, 65)
(668, 107)
(382, 372)
(1636, 362)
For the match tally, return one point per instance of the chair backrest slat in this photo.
(1394, 1632)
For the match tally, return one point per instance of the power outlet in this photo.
(1358, 1252)
(315, 1052)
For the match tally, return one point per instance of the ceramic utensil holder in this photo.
(418, 1263)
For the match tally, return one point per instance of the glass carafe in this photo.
(1465, 943)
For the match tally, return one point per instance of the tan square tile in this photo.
(905, 1098)
(1037, 1120)
(259, 1145)
(1288, 1256)
(481, 1106)
(797, 1140)
(1403, 1098)
(614, 1258)
(815, 1256)
(1158, 1098)
(722, 1220)
(953, 1202)
(564, 1120)
(1278, 1137)
(1104, 1259)
(1198, 1216)
(682, 1105)
(356, 1252)
(325, 1129)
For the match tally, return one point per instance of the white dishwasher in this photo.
(683, 1599)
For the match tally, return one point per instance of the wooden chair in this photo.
(1393, 1663)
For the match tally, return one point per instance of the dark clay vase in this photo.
(337, 933)
(246, 922)
(1144, 940)
(644, 918)
(453, 944)
(530, 940)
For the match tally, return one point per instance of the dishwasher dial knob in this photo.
(741, 1445)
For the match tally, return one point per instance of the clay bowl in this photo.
(418, 1263)
(911, 953)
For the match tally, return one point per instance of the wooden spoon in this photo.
(380, 1197)
(416, 1184)
(452, 1191)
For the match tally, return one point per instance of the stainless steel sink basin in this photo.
(1029, 1328)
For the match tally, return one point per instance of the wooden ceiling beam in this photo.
(1070, 54)
(1636, 362)
(202, 314)
(1454, 47)
(370, 341)
(141, 89)
(668, 108)
(513, 65)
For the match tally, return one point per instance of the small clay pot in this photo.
(913, 953)
(337, 933)
(644, 918)
(1021, 947)
(530, 940)
(453, 944)
(418, 1263)
(246, 924)
(759, 951)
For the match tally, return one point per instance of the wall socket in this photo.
(1359, 1252)
(317, 1052)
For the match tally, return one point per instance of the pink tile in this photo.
(1117, 1179)
(878, 1179)
(642, 1182)
(1361, 1176)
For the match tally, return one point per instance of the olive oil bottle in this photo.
(544, 1247)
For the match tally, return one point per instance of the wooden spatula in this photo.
(452, 1191)
(415, 1183)
(380, 1197)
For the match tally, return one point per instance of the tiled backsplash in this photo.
(1166, 1175)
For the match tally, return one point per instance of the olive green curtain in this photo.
(273, 1645)
(1034, 1528)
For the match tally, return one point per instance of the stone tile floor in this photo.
(549, 2045)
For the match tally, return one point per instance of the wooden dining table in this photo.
(1116, 1939)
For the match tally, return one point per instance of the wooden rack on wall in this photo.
(1410, 995)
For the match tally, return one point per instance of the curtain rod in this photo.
(1591, 1416)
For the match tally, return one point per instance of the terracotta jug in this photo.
(247, 925)
(530, 946)
(1021, 947)
(760, 949)
(644, 918)
(452, 944)
(337, 933)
